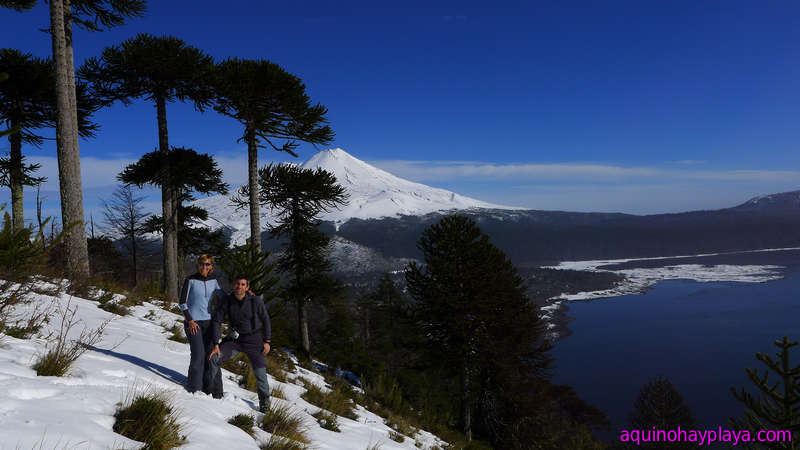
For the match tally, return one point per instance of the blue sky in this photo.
(635, 107)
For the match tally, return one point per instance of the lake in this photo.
(700, 336)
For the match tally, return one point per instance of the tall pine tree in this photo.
(27, 104)
(189, 172)
(482, 330)
(162, 70)
(93, 15)
(272, 106)
(776, 406)
(299, 196)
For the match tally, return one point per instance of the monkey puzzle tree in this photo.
(471, 305)
(159, 69)
(777, 405)
(28, 103)
(272, 105)
(189, 172)
(299, 195)
(92, 15)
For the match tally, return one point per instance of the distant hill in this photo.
(382, 223)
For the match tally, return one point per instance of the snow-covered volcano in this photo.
(374, 193)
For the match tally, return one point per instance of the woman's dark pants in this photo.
(200, 346)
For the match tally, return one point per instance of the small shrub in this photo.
(176, 334)
(277, 392)
(280, 420)
(244, 421)
(400, 424)
(334, 401)
(115, 308)
(327, 420)
(275, 368)
(61, 352)
(149, 418)
(151, 315)
(397, 437)
(279, 443)
(375, 446)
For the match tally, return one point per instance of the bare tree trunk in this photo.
(39, 202)
(15, 180)
(252, 181)
(69, 163)
(170, 247)
(302, 322)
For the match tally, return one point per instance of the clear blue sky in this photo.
(637, 107)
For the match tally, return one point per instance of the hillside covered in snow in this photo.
(135, 355)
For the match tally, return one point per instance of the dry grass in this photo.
(279, 443)
(335, 401)
(150, 418)
(277, 392)
(62, 352)
(176, 333)
(327, 420)
(280, 420)
(244, 421)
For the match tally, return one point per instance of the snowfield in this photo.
(76, 411)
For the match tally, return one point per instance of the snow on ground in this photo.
(638, 280)
(76, 411)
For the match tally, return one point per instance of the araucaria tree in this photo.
(777, 405)
(189, 172)
(299, 196)
(481, 329)
(125, 216)
(93, 15)
(660, 405)
(161, 70)
(272, 106)
(28, 103)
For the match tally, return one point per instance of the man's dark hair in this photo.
(241, 276)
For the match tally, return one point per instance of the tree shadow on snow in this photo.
(157, 369)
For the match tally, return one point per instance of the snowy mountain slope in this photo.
(374, 193)
(76, 411)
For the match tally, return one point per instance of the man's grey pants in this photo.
(251, 346)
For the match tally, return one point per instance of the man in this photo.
(195, 302)
(250, 334)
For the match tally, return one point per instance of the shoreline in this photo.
(638, 280)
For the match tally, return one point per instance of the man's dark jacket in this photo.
(247, 316)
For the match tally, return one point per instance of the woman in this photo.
(195, 302)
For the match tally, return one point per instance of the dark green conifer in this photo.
(190, 172)
(272, 106)
(162, 70)
(28, 104)
(776, 406)
(482, 330)
(299, 196)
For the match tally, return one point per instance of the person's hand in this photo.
(266, 349)
(214, 352)
(193, 327)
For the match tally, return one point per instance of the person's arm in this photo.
(183, 299)
(184, 306)
(266, 327)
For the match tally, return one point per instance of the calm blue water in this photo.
(701, 336)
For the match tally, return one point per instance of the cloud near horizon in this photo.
(563, 186)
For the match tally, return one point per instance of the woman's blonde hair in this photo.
(205, 258)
